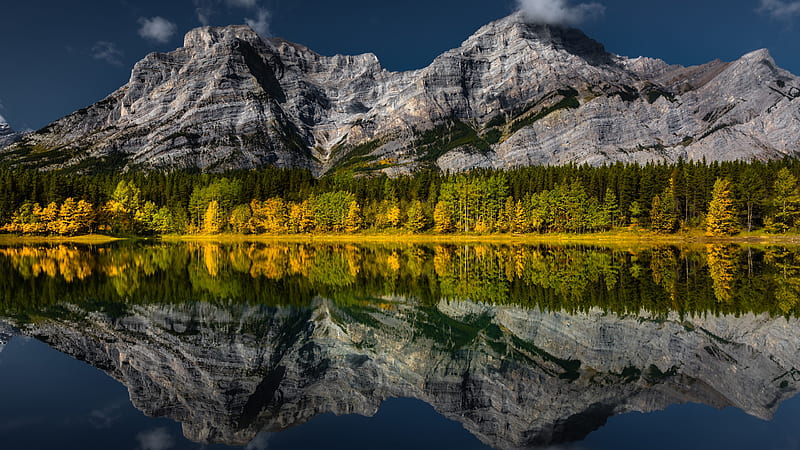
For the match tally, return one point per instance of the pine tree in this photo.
(751, 192)
(721, 219)
(786, 202)
(663, 214)
(443, 218)
(164, 221)
(610, 211)
(416, 217)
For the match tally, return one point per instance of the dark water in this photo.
(291, 346)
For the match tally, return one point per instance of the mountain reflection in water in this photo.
(524, 345)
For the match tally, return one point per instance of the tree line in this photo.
(721, 198)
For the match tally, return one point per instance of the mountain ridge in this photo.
(7, 134)
(513, 94)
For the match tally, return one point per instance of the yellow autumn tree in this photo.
(301, 217)
(66, 223)
(269, 216)
(212, 219)
(393, 216)
(353, 222)
(721, 219)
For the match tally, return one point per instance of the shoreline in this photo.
(642, 238)
(99, 239)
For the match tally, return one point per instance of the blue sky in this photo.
(58, 59)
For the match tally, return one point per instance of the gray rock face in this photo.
(513, 377)
(512, 94)
(7, 135)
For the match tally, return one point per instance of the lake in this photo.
(156, 346)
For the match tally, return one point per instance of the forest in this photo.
(720, 198)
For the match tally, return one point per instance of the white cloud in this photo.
(261, 24)
(559, 12)
(157, 439)
(780, 9)
(157, 29)
(204, 10)
(3, 120)
(108, 52)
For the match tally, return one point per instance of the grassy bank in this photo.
(610, 238)
(98, 239)
(621, 237)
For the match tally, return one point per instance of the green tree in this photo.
(663, 214)
(610, 211)
(785, 201)
(330, 210)
(751, 192)
(416, 217)
(443, 218)
(163, 221)
(240, 219)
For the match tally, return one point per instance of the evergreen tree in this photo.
(416, 217)
(663, 215)
(721, 219)
(610, 211)
(785, 201)
(751, 192)
(164, 221)
(443, 218)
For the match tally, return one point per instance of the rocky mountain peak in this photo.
(7, 134)
(515, 29)
(205, 37)
(761, 54)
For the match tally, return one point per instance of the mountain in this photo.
(7, 135)
(514, 377)
(512, 94)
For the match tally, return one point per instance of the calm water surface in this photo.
(293, 346)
